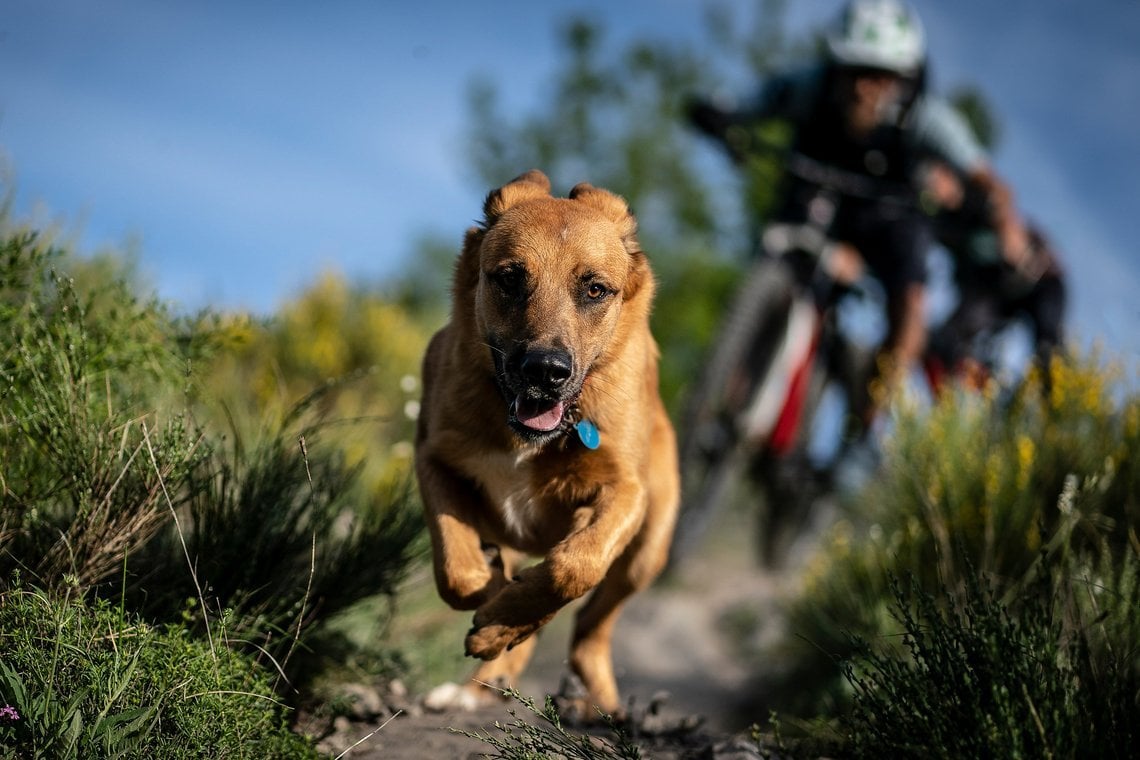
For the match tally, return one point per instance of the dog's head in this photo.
(550, 278)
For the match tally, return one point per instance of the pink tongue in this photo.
(538, 419)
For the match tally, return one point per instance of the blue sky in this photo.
(242, 148)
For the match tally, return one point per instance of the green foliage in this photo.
(283, 538)
(360, 349)
(970, 102)
(520, 740)
(84, 457)
(116, 479)
(986, 680)
(612, 120)
(91, 681)
(1044, 486)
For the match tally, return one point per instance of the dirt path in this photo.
(677, 638)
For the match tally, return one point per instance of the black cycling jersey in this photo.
(893, 240)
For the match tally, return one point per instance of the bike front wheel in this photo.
(713, 455)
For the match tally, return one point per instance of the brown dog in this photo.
(542, 432)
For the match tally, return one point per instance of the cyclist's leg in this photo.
(1047, 312)
(894, 248)
(980, 311)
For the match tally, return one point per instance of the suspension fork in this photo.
(772, 416)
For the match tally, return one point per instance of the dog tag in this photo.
(588, 434)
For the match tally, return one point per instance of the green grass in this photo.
(543, 735)
(91, 681)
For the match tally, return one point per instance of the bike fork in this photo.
(772, 416)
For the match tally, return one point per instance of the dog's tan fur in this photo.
(547, 275)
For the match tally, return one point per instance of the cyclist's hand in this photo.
(844, 264)
(1018, 280)
(1015, 244)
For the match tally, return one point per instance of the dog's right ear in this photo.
(524, 187)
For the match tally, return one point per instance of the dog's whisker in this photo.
(620, 396)
(493, 347)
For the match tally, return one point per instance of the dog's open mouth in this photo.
(540, 415)
(540, 390)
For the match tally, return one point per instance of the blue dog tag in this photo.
(588, 434)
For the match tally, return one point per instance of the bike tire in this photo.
(712, 459)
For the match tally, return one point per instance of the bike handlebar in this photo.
(848, 183)
(718, 125)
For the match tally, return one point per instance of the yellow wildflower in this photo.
(1026, 450)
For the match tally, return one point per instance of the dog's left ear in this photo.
(616, 210)
(613, 207)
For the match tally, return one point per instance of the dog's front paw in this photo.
(507, 620)
(489, 641)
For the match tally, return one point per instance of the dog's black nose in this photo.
(546, 368)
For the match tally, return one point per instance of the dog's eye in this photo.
(596, 291)
(509, 279)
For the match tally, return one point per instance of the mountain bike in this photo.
(749, 415)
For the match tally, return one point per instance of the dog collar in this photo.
(588, 434)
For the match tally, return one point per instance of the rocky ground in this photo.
(678, 651)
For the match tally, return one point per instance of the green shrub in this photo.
(1045, 483)
(85, 455)
(360, 349)
(549, 737)
(981, 678)
(282, 539)
(90, 681)
(115, 479)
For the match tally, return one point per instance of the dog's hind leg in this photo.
(486, 684)
(591, 650)
(503, 672)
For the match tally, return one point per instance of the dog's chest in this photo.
(512, 487)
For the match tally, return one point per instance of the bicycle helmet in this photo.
(879, 34)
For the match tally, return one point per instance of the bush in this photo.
(361, 351)
(986, 679)
(85, 454)
(549, 737)
(115, 479)
(1046, 482)
(280, 538)
(81, 681)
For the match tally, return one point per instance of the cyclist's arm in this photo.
(788, 95)
(1006, 220)
(941, 130)
(791, 95)
(907, 337)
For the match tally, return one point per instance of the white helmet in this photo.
(879, 34)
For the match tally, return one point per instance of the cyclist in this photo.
(991, 292)
(864, 109)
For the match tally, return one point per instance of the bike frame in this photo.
(726, 429)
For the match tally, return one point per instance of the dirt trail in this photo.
(676, 638)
